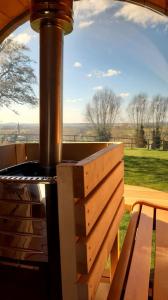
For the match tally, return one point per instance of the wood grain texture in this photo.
(20, 153)
(7, 156)
(67, 231)
(88, 248)
(88, 210)
(79, 151)
(114, 256)
(32, 151)
(161, 258)
(139, 273)
(117, 285)
(70, 151)
(87, 285)
(89, 172)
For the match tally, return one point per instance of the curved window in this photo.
(116, 46)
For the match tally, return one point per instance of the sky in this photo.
(116, 45)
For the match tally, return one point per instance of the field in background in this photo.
(77, 132)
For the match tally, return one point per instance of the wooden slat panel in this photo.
(20, 153)
(87, 249)
(89, 172)
(87, 285)
(32, 151)
(7, 156)
(121, 271)
(87, 211)
(161, 260)
(79, 151)
(138, 278)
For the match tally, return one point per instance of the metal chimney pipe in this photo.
(52, 19)
(51, 77)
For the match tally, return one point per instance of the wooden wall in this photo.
(90, 201)
(18, 153)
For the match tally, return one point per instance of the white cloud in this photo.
(73, 100)
(98, 88)
(124, 94)
(89, 75)
(88, 8)
(111, 72)
(140, 15)
(77, 64)
(84, 24)
(107, 73)
(85, 10)
(23, 38)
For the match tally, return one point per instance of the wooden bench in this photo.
(90, 196)
(134, 278)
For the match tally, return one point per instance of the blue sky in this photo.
(120, 46)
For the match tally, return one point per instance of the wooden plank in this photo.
(161, 258)
(7, 156)
(70, 151)
(67, 231)
(138, 278)
(102, 291)
(114, 255)
(88, 248)
(89, 172)
(79, 151)
(123, 264)
(32, 151)
(20, 153)
(88, 210)
(87, 284)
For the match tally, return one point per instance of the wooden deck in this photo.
(133, 194)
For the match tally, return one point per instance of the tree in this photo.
(156, 138)
(138, 114)
(158, 112)
(16, 75)
(141, 141)
(102, 111)
(138, 110)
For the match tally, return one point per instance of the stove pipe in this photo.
(52, 19)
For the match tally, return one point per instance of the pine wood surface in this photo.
(161, 259)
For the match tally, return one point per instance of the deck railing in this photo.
(129, 142)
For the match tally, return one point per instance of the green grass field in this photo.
(148, 168)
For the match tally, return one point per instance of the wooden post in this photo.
(67, 232)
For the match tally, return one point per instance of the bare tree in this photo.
(16, 75)
(138, 110)
(159, 111)
(102, 111)
(159, 117)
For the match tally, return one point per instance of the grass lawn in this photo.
(148, 168)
